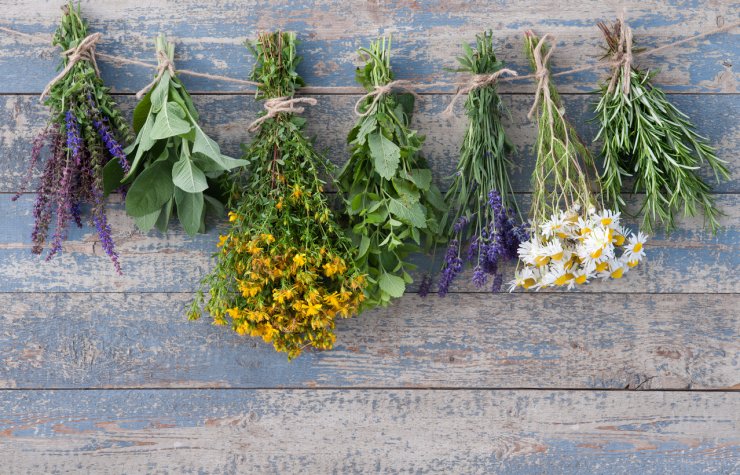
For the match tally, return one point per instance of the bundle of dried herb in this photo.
(646, 137)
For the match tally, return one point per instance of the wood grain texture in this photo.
(395, 431)
(226, 118)
(644, 342)
(690, 260)
(427, 37)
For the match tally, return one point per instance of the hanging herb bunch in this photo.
(172, 159)
(391, 204)
(285, 269)
(573, 237)
(646, 137)
(483, 222)
(84, 135)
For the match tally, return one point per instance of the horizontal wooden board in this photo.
(644, 342)
(690, 260)
(427, 38)
(226, 118)
(222, 431)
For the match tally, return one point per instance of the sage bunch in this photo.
(285, 270)
(391, 204)
(174, 163)
(483, 221)
(84, 134)
(647, 138)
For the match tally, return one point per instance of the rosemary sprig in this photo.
(647, 137)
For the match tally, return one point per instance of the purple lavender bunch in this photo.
(495, 238)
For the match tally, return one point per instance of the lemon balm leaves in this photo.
(648, 140)
(391, 205)
(174, 162)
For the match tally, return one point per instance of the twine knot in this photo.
(163, 64)
(84, 51)
(380, 91)
(284, 104)
(477, 81)
(542, 74)
(623, 57)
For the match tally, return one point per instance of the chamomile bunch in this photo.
(573, 237)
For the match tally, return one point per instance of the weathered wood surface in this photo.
(367, 431)
(462, 341)
(226, 118)
(427, 37)
(474, 383)
(690, 260)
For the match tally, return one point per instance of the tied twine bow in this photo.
(164, 64)
(284, 104)
(542, 74)
(477, 81)
(623, 57)
(381, 91)
(84, 51)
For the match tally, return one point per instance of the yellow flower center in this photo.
(617, 274)
(558, 256)
(541, 260)
(619, 240)
(633, 263)
(581, 279)
(606, 221)
(637, 247)
(596, 254)
(602, 266)
(564, 279)
(528, 283)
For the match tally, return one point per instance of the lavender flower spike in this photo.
(114, 148)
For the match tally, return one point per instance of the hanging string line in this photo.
(384, 90)
(85, 50)
(279, 105)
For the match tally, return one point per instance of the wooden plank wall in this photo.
(103, 374)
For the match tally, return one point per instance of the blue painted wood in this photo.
(226, 117)
(389, 431)
(691, 260)
(462, 341)
(427, 37)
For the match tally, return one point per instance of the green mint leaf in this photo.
(392, 285)
(386, 155)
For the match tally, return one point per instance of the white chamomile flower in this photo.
(608, 218)
(526, 278)
(635, 249)
(598, 243)
(554, 226)
(616, 270)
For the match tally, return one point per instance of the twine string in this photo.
(477, 81)
(380, 91)
(278, 105)
(88, 53)
(164, 64)
(622, 58)
(542, 74)
(84, 51)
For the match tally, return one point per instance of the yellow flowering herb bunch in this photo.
(284, 271)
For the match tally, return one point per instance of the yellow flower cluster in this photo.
(288, 296)
(569, 249)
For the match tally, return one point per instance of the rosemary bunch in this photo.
(480, 199)
(647, 137)
(390, 200)
(285, 270)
